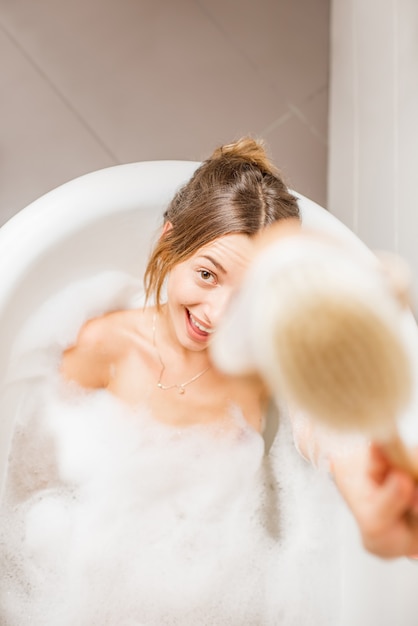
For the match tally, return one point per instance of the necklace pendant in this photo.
(181, 389)
(159, 385)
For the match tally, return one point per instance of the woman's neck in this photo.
(171, 351)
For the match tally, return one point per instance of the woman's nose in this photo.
(217, 306)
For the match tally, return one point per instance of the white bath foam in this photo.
(167, 523)
(157, 525)
(128, 521)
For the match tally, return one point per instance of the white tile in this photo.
(153, 78)
(43, 143)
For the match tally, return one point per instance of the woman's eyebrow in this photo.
(215, 263)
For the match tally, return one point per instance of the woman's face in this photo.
(199, 289)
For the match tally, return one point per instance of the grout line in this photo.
(276, 123)
(294, 111)
(316, 93)
(298, 113)
(59, 94)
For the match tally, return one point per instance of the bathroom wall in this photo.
(88, 84)
(373, 132)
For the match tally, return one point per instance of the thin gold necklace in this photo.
(179, 386)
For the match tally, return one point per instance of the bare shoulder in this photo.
(106, 334)
(101, 342)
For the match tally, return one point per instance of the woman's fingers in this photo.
(378, 464)
(393, 498)
(390, 528)
(383, 500)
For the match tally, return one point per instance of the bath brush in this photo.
(323, 329)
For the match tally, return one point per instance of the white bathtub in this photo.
(108, 220)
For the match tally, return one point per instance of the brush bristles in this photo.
(344, 365)
(337, 349)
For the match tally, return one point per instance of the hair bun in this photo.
(247, 149)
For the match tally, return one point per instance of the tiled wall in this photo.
(86, 84)
(373, 151)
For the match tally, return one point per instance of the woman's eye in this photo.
(207, 276)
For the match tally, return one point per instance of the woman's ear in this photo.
(167, 226)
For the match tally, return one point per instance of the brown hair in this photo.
(236, 190)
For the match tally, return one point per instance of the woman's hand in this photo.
(383, 500)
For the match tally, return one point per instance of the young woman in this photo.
(139, 488)
(158, 356)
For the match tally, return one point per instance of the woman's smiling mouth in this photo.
(199, 326)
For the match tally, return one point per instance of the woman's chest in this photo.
(183, 399)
